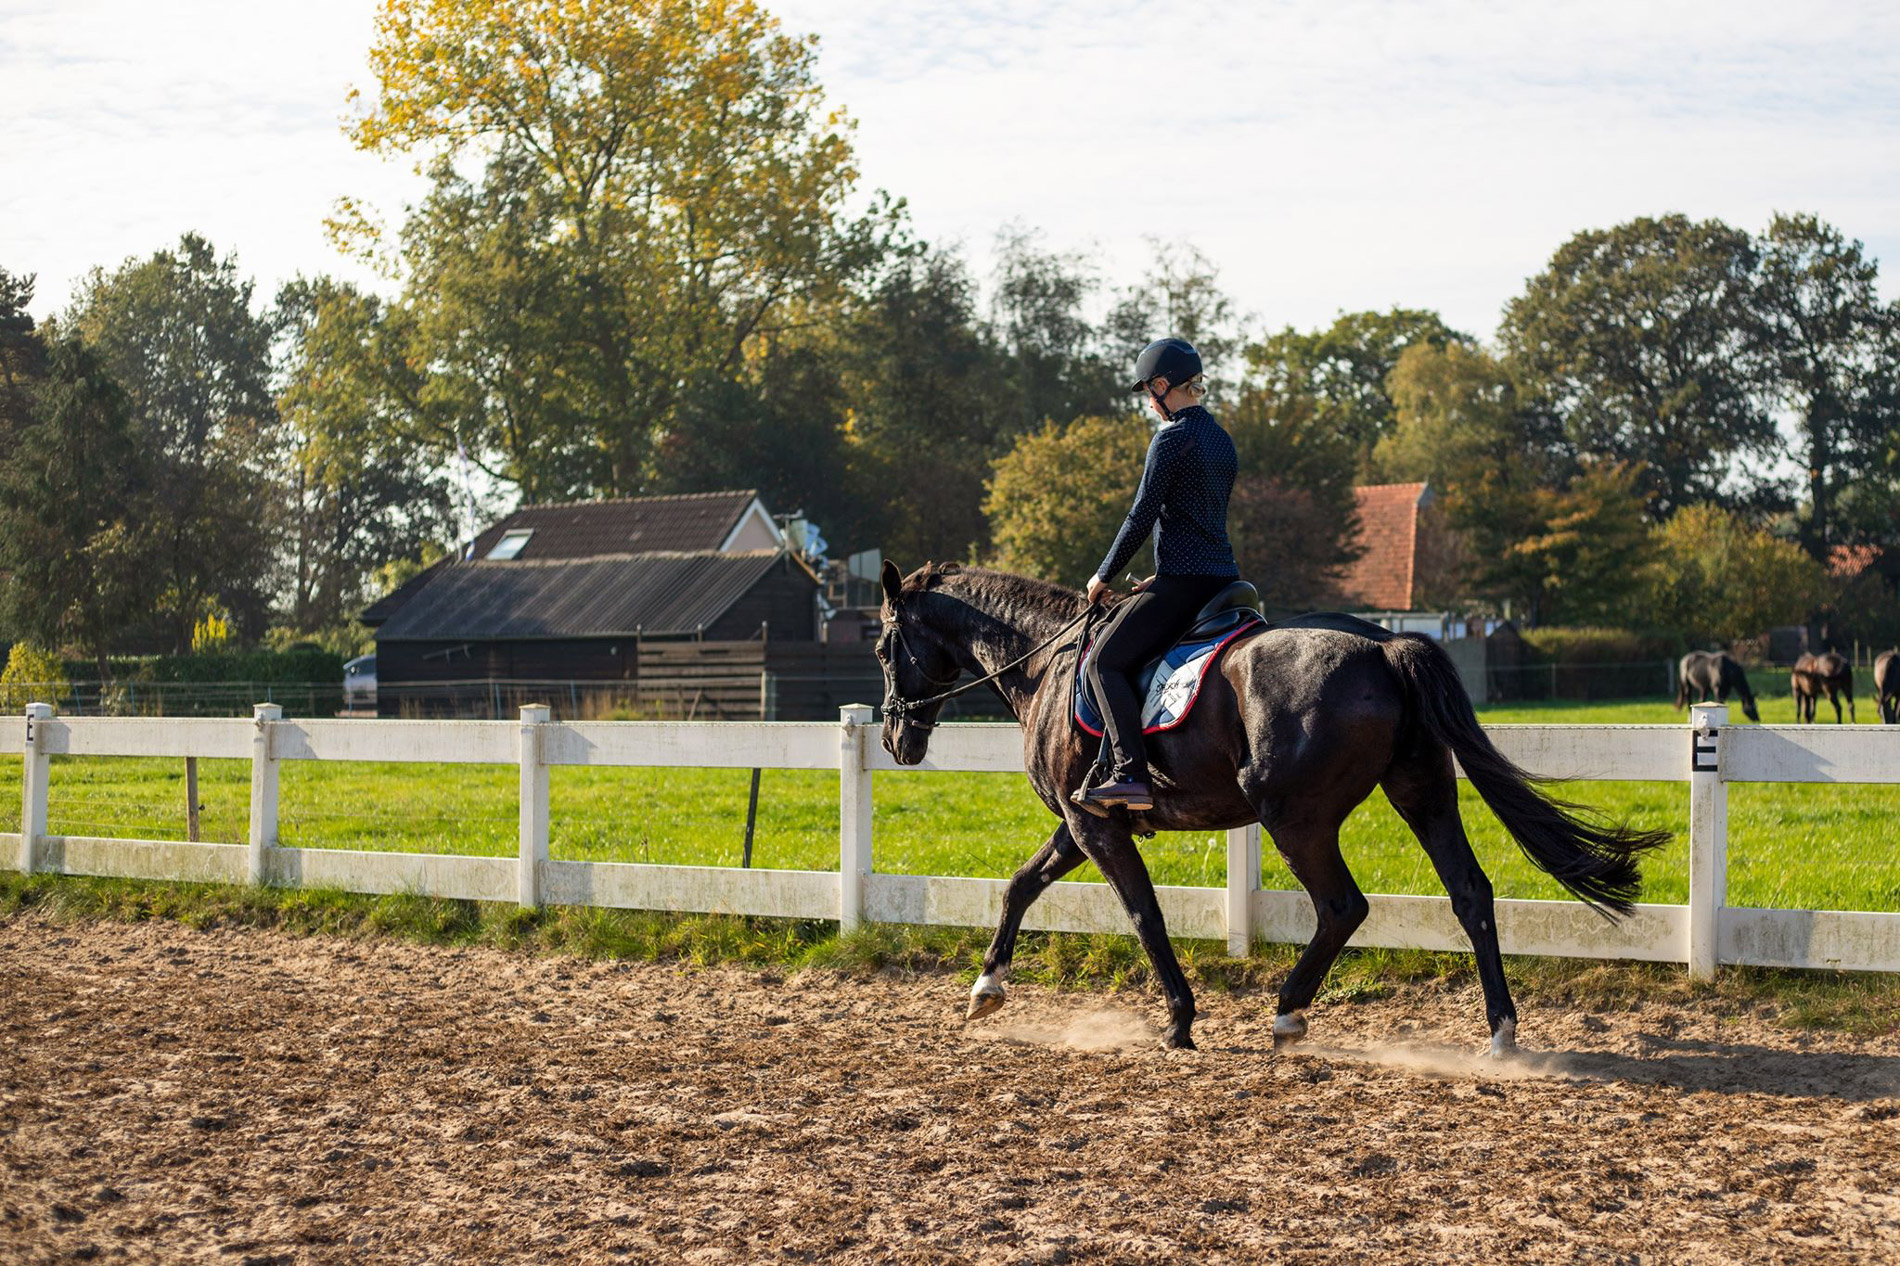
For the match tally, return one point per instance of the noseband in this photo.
(904, 709)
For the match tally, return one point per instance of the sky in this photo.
(1327, 156)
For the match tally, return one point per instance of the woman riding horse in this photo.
(1183, 499)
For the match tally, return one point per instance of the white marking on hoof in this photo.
(986, 995)
(1504, 1041)
(1289, 1026)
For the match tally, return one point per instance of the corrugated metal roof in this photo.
(627, 525)
(655, 593)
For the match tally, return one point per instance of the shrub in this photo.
(31, 676)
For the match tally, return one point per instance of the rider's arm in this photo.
(1157, 478)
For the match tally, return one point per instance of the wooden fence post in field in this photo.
(854, 814)
(534, 803)
(263, 835)
(35, 770)
(1708, 836)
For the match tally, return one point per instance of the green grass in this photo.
(1791, 845)
(1864, 1004)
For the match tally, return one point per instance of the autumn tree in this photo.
(1463, 425)
(1718, 578)
(1291, 516)
(1344, 368)
(627, 198)
(1638, 336)
(1058, 496)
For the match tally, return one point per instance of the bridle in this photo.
(905, 709)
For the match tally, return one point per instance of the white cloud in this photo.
(1327, 155)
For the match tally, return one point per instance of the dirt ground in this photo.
(246, 1097)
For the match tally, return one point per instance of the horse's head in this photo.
(917, 665)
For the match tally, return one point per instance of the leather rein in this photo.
(903, 709)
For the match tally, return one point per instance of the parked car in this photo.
(359, 683)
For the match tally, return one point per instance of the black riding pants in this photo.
(1142, 627)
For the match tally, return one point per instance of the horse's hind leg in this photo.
(1052, 861)
(1311, 850)
(1423, 790)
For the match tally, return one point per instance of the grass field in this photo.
(1797, 846)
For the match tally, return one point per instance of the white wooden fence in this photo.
(1708, 757)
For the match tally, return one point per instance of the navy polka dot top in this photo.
(1183, 498)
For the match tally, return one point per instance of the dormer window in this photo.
(510, 545)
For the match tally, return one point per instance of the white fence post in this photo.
(534, 803)
(263, 835)
(35, 773)
(854, 814)
(1243, 880)
(1708, 837)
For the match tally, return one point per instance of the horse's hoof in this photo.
(1179, 1040)
(1504, 1040)
(1289, 1029)
(987, 997)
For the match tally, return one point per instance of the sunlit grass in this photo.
(1813, 846)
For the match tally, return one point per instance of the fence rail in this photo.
(1708, 756)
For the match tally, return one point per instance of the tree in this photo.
(1830, 351)
(1638, 337)
(926, 409)
(1719, 578)
(1594, 548)
(660, 188)
(1462, 425)
(1180, 297)
(1345, 366)
(357, 489)
(1056, 364)
(1058, 496)
(178, 334)
(74, 498)
(1292, 516)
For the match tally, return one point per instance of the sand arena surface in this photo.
(247, 1097)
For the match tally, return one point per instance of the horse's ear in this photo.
(892, 579)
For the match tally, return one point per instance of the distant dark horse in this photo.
(1296, 728)
(1887, 686)
(1705, 673)
(1824, 672)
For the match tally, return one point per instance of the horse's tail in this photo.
(1682, 688)
(1592, 858)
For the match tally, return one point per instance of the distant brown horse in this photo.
(1887, 686)
(1816, 673)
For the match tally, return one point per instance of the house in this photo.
(572, 593)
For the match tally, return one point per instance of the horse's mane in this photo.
(1002, 594)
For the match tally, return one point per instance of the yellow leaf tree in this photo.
(660, 186)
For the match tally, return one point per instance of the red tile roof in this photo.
(1381, 579)
(1844, 561)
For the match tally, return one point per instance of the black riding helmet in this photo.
(1172, 358)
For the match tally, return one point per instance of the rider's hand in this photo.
(1098, 589)
(1139, 585)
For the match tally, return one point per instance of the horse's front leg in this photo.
(1052, 861)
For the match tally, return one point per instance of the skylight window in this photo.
(510, 545)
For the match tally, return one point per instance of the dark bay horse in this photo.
(1295, 729)
(1705, 673)
(1815, 674)
(1887, 686)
